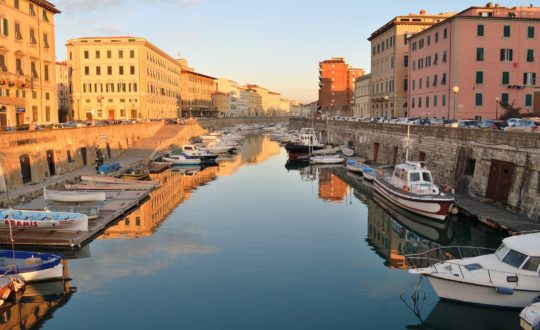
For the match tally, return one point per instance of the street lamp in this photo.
(455, 90)
(497, 100)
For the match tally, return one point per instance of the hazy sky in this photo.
(274, 43)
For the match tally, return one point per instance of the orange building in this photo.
(336, 85)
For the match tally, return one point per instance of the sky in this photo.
(276, 44)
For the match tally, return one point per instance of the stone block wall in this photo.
(462, 158)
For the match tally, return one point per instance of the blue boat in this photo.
(39, 220)
(358, 167)
(31, 266)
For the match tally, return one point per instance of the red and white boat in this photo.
(411, 187)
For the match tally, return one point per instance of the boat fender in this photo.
(504, 290)
(405, 188)
(446, 188)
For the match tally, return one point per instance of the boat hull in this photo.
(354, 169)
(186, 161)
(301, 149)
(73, 197)
(33, 266)
(436, 209)
(32, 220)
(480, 294)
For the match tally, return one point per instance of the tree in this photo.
(511, 111)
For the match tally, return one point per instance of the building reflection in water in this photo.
(36, 304)
(331, 187)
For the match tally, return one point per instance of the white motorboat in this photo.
(327, 159)
(347, 151)
(505, 278)
(190, 151)
(31, 266)
(216, 148)
(307, 143)
(181, 159)
(411, 187)
(73, 196)
(326, 151)
(111, 180)
(38, 220)
(529, 318)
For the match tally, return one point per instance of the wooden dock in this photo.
(117, 204)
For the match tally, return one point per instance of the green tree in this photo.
(511, 111)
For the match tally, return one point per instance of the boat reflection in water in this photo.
(449, 315)
(37, 303)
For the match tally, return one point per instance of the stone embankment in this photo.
(502, 168)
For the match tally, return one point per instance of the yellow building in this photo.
(117, 78)
(63, 94)
(390, 61)
(27, 63)
(221, 102)
(197, 90)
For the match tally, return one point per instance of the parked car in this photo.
(451, 123)
(23, 127)
(468, 123)
(512, 121)
(493, 124)
(422, 122)
(58, 126)
(437, 122)
(9, 129)
(524, 125)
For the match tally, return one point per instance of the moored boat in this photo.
(190, 151)
(109, 180)
(43, 220)
(529, 318)
(411, 187)
(308, 142)
(507, 277)
(110, 186)
(327, 159)
(73, 196)
(347, 151)
(368, 172)
(31, 266)
(355, 166)
(181, 160)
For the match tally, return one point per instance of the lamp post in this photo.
(455, 90)
(497, 100)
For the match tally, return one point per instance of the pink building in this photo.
(466, 65)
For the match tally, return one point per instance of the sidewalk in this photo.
(497, 217)
(141, 149)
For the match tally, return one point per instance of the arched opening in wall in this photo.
(109, 150)
(375, 152)
(84, 156)
(50, 162)
(26, 170)
(394, 155)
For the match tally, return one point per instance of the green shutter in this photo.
(528, 100)
(479, 77)
(506, 78)
(530, 55)
(530, 32)
(478, 99)
(5, 26)
(504, 98)
(479, 54)
(480, 30)
(506, 30)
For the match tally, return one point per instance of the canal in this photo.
(253, 245)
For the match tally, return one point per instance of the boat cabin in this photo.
(308, 137)
(413, 177)
(521, 252)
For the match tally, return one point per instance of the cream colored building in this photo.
(238, 99)
(268, 103)
(27, 63)
(117, 78)
(196, 90)
(64, 96)
(390, 60)
(361, 97)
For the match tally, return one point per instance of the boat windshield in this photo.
(532, 264)
(426, 176)
(514, 258)
(415, 176)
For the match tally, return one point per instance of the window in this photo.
(420, 83)
(479, 77)
(421, 44)
(109, 70)
(427, 82)
(405, 85)
(419, 102)
(506, 78)
(480, 30)
(86, 70)
(530, 55)
(443, 100)
(3, 67)
(46, 72)
(33, 69)
(45, 17)
(427, 101)
(507, 54)
(529, 78)
(45, 40)
(120, 70)
(445, 33)
(86, 54)
(436, 37)
(132, 69)
(514, 258)
(428, 40)
(19, 67)
(479, 54)
(436, 59)
(31, 10)
(414, 85)
(470, 166)
(435, 100)
(98, 70)
(120, 54)
(504, 98)
(528, 100)
(445, 56)
(18, 33)
(109, 54)
(532, 264)
(412, 105)
(16, 4)
(530, 32)
(98, 54)
(131, 54)
(443, 79)
(478, 99)
(406, 61)
(47, 113)
(506, 31)
(435, 80)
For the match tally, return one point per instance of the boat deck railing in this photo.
(440, 260)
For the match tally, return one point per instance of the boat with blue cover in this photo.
(357, 166)
(31, 266)
(41, 220)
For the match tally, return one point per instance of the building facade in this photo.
(336, 85)
(64, 96)
(390, 62)
(121, 78)
(236, 99)
(197, 90)
(476, 63)
(361, 107)
(27, 63)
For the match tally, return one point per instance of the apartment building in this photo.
(475, 63)
(27, 63)
(361, 106)
(197, 90)
(336, 85)
(119, 78)
(390, 62)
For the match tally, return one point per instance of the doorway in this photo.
(89, 116)
(375, 152)
(84, 157)
(133, 114)
(26, 170)
(111, 114)
(19, 119)
(109, 150)
(3, 120)
(50, 162)
(394, 155)
(500, 181)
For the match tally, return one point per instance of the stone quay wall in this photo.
(489, 165)
(65, 150)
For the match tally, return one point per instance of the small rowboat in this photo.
(108, 179)
(355, 166)
(326, 151)
(347, 151)
(368, 173)
(73, 196)
(104, 186)
(137, 176)
(331, 159)
(31, 266)
(41, 220)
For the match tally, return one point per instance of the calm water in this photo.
(252, 245)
